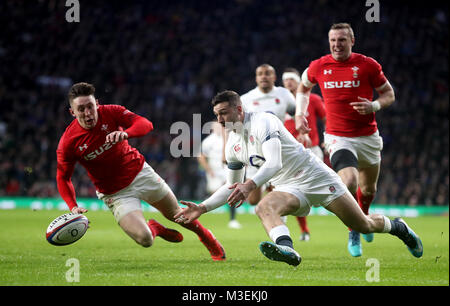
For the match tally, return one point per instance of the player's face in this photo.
(265, 78)
(227, 113)
(290, 84)
(84, 108)
(341, 44)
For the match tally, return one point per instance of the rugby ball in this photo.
(67, 229)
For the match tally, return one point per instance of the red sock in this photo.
(153, 229)
(303, 225)
(196, 227)
(364, 201)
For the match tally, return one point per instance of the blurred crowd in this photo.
(166, 59)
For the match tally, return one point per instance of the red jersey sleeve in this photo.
(376, 74)
(134, 125)
(312, 71)
(64, 171)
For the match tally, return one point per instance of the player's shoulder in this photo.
(249, 94)
(358, 57)
(280, 90)
(69, 135)
(111, 108)
(261, 120)
(325, 59)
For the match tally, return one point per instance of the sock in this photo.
(232, 213)
(280, 235)
(153, 229)
(364, 201)
(303, 226)
(285, 240)
(196, 227)
(397, 228)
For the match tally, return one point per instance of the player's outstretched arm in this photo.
(190, 213)
(236, 174)
(302, 101)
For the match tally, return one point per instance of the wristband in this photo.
(376, 106)
(302, 102)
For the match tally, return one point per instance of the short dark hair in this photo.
(268, 66)
(341, 26)
(80, 90)
(291, 69)
(229, 96)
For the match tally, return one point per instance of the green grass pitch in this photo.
(107, 256)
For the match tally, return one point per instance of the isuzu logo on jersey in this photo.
(99, 151)
(341, 84)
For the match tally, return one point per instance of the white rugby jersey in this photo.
(212, 149)
(245, 147)
(278, 101)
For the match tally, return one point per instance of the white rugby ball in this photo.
(67, 229)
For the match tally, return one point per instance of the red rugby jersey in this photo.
(316, 109)
(342, 83)
(111, 167)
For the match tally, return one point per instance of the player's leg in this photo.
(369, 153)
(368, 179)
(269, 210)
(134, 225)
(169, 207)
(345, 163)
(305, 235)
(255, 196)
(348, 211)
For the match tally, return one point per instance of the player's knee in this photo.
(368, 190)
(261, 209)
(350, 180)
(145, 240)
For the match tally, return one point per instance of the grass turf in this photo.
(107, 256)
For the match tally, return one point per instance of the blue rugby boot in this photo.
(412, 241)
(368, 237)
(354, 244)
(280, 253)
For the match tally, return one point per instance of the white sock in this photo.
(387, 225)
(277, 231)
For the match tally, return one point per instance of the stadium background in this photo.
(166, 59)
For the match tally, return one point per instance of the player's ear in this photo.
(96, 103)
(71, 112)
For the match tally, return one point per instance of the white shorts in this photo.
(147, 186)
(318, 185)
(367, 149)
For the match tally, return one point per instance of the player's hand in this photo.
(240, 193)
(78, 210)
(116, 137)
(304, 139)
(301, 124)
(363, 106)
(188, 214)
